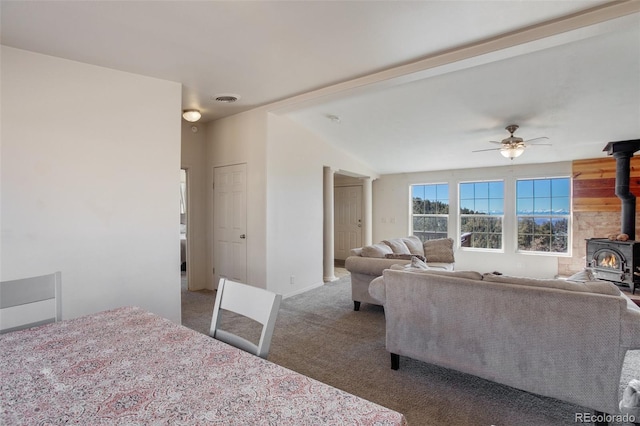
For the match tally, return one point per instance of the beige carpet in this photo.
(318, 334)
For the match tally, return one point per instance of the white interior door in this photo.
(230, 223)
(347, 220)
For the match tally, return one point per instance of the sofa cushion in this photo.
(600, 287)
(397, 246)
(440, 250)
(414, 244)
(376, 250)
(370, 266)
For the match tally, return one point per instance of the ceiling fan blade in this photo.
(536, 139)
(541, 144)
(495, 142)
(490, 149)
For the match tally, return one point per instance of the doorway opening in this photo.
(184, 253)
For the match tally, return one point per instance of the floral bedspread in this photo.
(131, 367)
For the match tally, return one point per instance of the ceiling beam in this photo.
(577, 26)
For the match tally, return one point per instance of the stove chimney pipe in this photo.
(622, 151)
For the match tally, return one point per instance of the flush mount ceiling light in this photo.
(191, 115)
(226, 98)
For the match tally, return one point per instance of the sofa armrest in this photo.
(370, 265)
(630, 327)
(378, 291)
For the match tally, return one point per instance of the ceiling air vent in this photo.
(227, 99)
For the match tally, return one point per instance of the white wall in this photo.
(239, 139)
(193, 159)
(391, 210)
(90, 182)
(284, 195)
(295, 161)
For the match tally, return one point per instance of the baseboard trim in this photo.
(302, 290)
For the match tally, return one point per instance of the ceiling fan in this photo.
(514, 146)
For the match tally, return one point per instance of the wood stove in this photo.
(616, 261)
(612, 259)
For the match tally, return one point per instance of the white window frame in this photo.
(501, 217)
(434, 215)
(568, 217)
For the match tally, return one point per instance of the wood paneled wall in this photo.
(594, 184)
(596, 208)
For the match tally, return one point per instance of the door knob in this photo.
(243, 236)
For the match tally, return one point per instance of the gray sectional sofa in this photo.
(367, 263)
(557, 338)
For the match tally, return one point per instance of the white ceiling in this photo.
(418, 85)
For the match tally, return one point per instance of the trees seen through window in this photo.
(481, 212)
(430, 211)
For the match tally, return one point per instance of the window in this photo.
(481, 213)
(430, 211)
(543, 209)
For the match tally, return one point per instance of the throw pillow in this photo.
(630, 402)
(376, 250)
(404, 256)
(585, 275)
(440, 250)
(419, 263)
(397, 246)
(414, 244)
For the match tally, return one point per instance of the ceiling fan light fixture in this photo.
(191, 115)
(514, 146)
(511, 152)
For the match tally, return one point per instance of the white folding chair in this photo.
(29, 302)
(258, 304)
